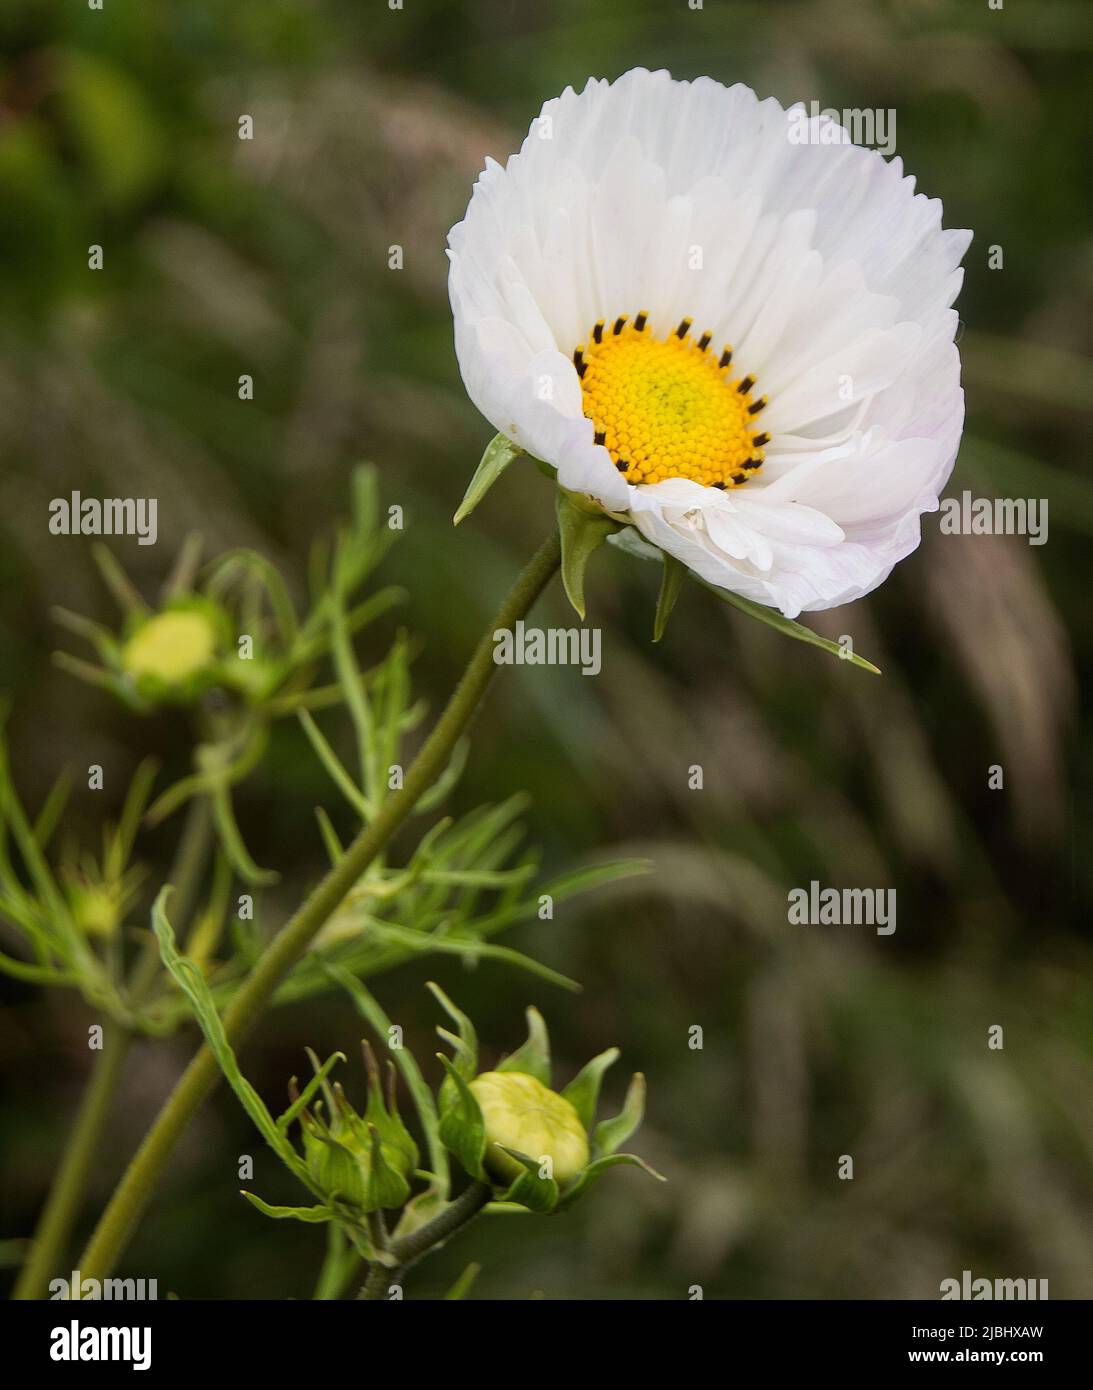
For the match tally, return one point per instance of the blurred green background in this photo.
(269, 257)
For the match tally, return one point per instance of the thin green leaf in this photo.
(312, 1215)
(52, 809)
(330, 836)
(334, 767)
(192, 983)
(466, 1059)
(231, 839)
(117, 581)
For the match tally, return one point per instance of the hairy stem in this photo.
(121, 1215)
(411, 1248)
(48, 1247)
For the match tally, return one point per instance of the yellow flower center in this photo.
(170, 646)
(670, 408)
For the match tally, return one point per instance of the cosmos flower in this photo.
(735, 341)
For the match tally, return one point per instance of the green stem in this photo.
(54, 1225)
(121, 1215)
(339, 1265)
(411, 1248)
(186, 877)
(456, 1214)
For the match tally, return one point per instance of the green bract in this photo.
(537, 1147)
(584, 526)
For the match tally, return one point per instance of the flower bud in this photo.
(96, 907)
(367, 1160)
(521, 1113)
(171, 649)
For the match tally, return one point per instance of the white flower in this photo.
(647, 229)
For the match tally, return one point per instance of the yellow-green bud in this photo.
(97, 908)
(171, 647)
(521, 1113)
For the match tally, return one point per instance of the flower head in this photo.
(541, 1148)
(730, 332)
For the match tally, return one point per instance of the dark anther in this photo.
(601, 436)
(684, 328)
(618, 325)
(720, 487)
(754, 463)
(739, 477)
(760, 440)
(704, 342)
(757, 406)
(640, 321)
(726, 358)
(746, 385)
(622, 465)
(597, 332)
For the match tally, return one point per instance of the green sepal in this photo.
(302, 1099)
(499, 453)
(583, 1092)
(671, 581)
(595, 1171)
(787, 626)
(462, 1128)
(466, 1044)
(632, 543)
(312, 1215)
(609, 1134)
(382, 1113)
(530, 1190)
(386, 1187)
(533, 1057)
(583, 529)
(337, 1170)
